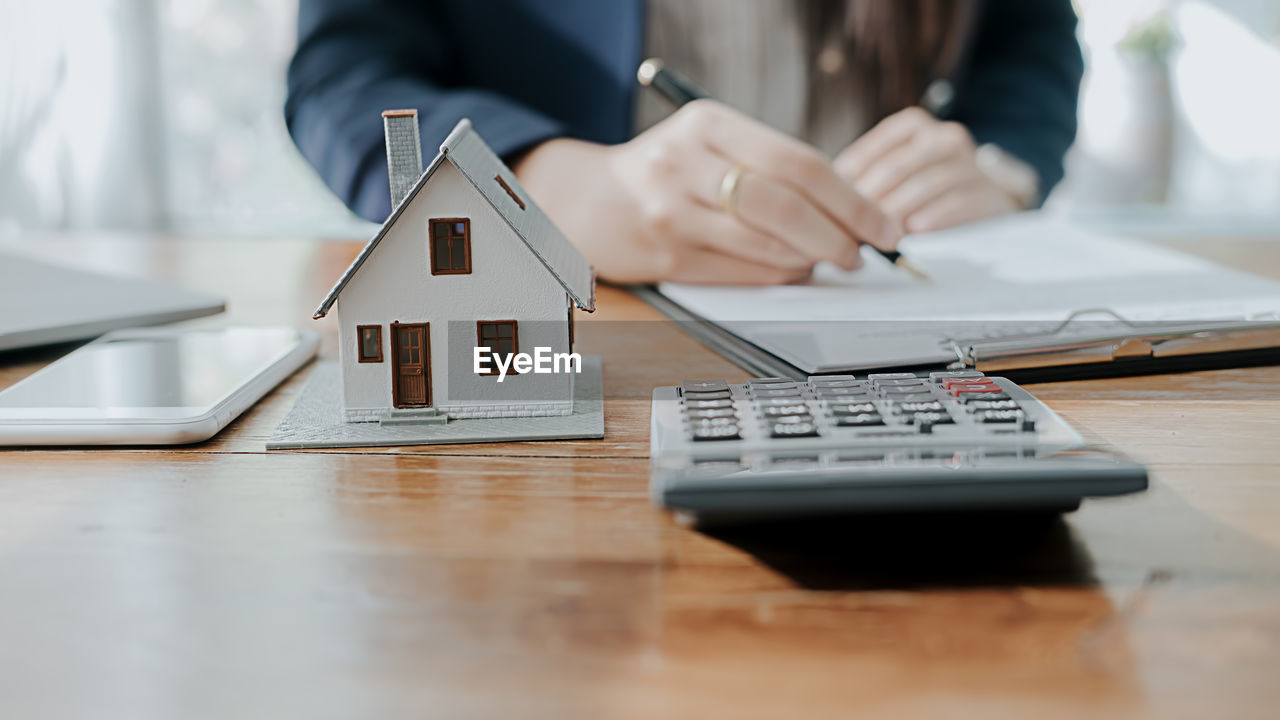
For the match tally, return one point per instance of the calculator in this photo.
(889, 442)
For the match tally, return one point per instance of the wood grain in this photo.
(537, 580)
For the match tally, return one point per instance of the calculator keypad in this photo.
(894, 403)
(889, 442)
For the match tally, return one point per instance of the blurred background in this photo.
(165, 115)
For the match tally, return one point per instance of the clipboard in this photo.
(1148, 349)
(1182, 313)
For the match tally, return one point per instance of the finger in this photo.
(765, 151)
(936, 145)
(958, 208)
(709, 267)
(776, 209)
(889, 133)
(718, 230)
(923, 188)
(678, 186)
(770, 241)
(807, 175)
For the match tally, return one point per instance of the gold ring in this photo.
(729, 188)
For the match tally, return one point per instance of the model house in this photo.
(466, 260)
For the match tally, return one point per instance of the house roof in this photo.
(466, 151)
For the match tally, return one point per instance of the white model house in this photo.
(465, 260)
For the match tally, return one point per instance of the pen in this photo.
(678, 90)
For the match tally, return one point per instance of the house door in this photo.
(411, 365)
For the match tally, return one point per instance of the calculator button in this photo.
(852, 408)
(984, 404)
(949, 385)
(778, 401)
(900, 383)
(910, 397)
(817, 380)
(848, 400)
(786, 392)
(704, 404)
(715, 468)
(704, 385)
(777, 411)
(717, 432)
(998, 416)
(702, 423)
(956, 382)
(755, 382)
(940, 376)
(932, 418)
(711, 413)
(854, 389)
(819, 387)
(968, 398)
(975, 390)
(793, 429)
(714, 395)
(892, 376)
(914, 407)
(779, 385)
(796, 462)
(905, 389)
(863, 420)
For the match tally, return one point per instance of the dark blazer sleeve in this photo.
(1023, 83)
(356, 58)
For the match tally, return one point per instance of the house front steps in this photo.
(414, 416)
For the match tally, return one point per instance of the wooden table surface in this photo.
(537, 580)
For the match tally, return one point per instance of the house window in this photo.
(510, 192)
(450, 246)
(369, 343)
(502, 338)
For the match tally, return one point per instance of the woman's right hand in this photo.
(650, 209)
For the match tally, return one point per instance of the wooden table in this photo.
(538, 580)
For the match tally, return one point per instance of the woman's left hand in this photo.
(924, 172)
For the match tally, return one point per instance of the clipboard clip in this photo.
(1122, 340)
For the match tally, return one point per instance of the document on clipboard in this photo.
(1015, 295)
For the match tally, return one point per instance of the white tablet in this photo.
(161, 386)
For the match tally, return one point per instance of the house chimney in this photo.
(404, 151)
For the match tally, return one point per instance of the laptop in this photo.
(44, 304)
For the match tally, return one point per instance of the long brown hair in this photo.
(899, 46)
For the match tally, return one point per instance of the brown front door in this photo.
(411, 365)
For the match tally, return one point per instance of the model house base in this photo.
(316, 419)
(443, 413)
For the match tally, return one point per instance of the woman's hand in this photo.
(651, 209)
(926, 173)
